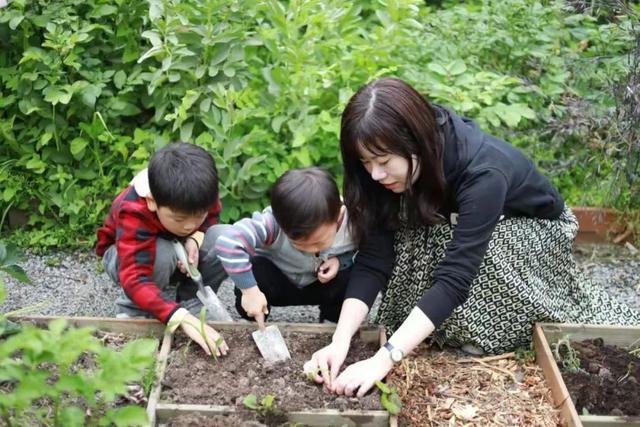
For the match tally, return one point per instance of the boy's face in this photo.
(177, 222)
(322, 237)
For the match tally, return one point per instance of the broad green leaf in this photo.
(125, 417)
(391, 402)
(437, 68)
(78, 146)
(71, 416)
(119, 79)
(36, 165)
(457, 67)
(250, 401)
(15, 21)
(17, 273)
(276, 123)
(90, 94)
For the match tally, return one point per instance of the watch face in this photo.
(396, 355)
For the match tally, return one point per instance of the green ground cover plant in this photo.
(89, 89)
(42, 379)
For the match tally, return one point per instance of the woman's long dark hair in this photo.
(388, 116)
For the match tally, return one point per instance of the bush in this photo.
(89, 89)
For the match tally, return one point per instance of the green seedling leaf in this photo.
(383, 387)
(391, 402)
(251, 401)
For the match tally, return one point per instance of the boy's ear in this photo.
(151, 203)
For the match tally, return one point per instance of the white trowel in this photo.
(270, 342)
(215, 308)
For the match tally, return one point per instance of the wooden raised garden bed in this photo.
(194, 389)
(596, 381)
(195, 385)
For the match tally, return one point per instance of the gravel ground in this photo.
(75, 285)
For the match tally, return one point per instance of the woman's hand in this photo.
(361, 376)
(325, 363)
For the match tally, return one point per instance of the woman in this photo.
(482, 241)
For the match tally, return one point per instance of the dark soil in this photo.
(607, 382)
(193, 377)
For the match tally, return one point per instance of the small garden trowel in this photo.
(215, 309)
(270, 342)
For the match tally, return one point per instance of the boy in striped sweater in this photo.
(298, 251)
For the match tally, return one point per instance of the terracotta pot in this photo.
(600, 225)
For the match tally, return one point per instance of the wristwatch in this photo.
(395, 354)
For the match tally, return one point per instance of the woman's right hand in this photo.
(324, 365)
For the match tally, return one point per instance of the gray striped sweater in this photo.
(261, 235)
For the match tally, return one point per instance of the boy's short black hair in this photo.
(183, 177)
(303, 200)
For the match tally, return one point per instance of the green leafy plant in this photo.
(525, 355)
(389, 398)
(566, 355)
(10, 255)
(45, 382)
(266, 409)
(89, 89)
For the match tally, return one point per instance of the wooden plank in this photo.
(161, 367)
(621, 336)
(318, 417)
(133, 327)
(606, 421)
(559, 391)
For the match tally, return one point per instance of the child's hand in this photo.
(193, 255)
(254, 301)
(328, 269)
(193, 328)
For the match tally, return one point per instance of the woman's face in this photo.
(389, 170)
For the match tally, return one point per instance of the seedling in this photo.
(266, 409)
(524, 355)
(569, 357)
(212, 346)
(310, 375)
(390, 399)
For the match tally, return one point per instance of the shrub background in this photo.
(90, 88)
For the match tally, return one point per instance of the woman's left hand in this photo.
(361, 376)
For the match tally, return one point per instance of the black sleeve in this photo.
(372, 267)
(480, 204)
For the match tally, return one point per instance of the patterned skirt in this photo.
(528, 275)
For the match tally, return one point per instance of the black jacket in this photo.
(487, 179)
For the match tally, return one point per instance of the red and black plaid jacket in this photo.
(133, 228)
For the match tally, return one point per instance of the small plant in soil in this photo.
(266, 409)
(525, 355)
(566, 355)
(212, 346)
(191, 378)
(389, 398)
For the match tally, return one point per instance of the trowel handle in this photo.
(260, 321)
(182, 256)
